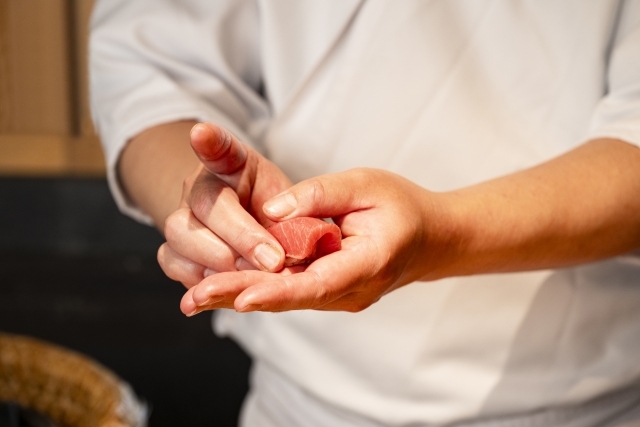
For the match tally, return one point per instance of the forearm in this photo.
(580, 207)
(153, 166)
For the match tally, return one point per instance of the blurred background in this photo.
(73, 270)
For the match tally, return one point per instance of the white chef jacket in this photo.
(447, 93)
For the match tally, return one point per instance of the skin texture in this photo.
(218, 224)
(580, 207)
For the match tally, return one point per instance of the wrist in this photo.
(446, 238)
(153, 166)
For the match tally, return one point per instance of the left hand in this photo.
(387, 223)
(577, 208)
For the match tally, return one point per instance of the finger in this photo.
(189, 308)
(179, 268)
(217, 148)
(323, 196)
(191, 239)
(199, 310)
(223, 289)
(219, 290)
(242, 264)
(216, 206)
(326, 280)
(227, 285)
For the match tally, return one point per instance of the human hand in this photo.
(396, 232)
(387, 223)
(220, 225)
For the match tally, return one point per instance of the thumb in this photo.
(321, 197)
(217, 148)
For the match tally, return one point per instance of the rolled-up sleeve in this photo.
(158, 61)
(618, 113)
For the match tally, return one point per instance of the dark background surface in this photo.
(76, 272)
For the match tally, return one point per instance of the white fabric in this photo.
(272, 397)
(446, 93)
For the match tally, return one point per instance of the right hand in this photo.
(220, 225)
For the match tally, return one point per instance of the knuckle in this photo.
(175, 269)
(215, 263)
(206, 193)
(169, 269)
(201, 203)
(316, 191)
(170, 226)
(161, 256)
(357, 307)
(176, 224)
(171, 272)
(244, 241)
(361, 172)
(366, 177)
(322, 294)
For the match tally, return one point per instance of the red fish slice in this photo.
(306, 239)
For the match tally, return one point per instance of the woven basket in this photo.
(71, 389)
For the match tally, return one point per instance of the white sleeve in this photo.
(618, 113)
(157, 61)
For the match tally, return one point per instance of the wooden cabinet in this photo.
(45, 125)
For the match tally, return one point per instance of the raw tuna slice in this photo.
(306, 239)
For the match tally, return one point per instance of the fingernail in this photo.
(193, 313)
(250, 307)
(282, 205)
(212, 300)
(267, 256)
